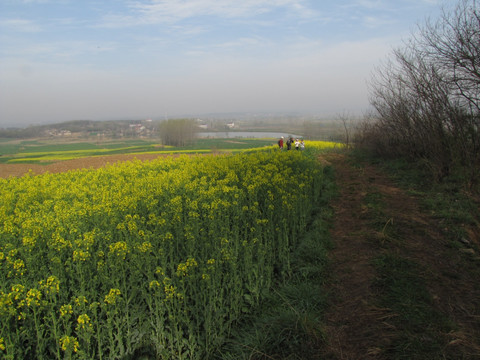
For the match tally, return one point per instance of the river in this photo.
(245, 134)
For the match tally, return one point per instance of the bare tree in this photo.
(427, 95)
(347, 123)
(453, 44)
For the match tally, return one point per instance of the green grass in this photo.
(8, 148)
(420, 327)
(48, 151)
(455, 210)
(447, 201)
(400, 284)
(229, 144)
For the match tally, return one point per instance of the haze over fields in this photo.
(115, 59)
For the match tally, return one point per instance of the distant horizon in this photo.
(248, 115)
(89, 59)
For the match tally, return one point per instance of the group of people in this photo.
(299, 144)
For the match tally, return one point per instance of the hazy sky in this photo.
(119, 59)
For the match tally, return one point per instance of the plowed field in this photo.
(7, 170)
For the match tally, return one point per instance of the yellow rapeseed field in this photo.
(166, 254)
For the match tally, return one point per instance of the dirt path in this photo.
(356, 327)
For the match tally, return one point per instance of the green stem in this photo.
(57, 346)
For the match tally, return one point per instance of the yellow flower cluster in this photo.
(83, 323)
(183, 268)
(80, 301)
(51, 286)
(145, 247)
(80, 255)
(66, 310)
(112, 296)
(120, 249)
(69, 343)
(33, 297)
(154, 284)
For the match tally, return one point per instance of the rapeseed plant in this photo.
(169, 252)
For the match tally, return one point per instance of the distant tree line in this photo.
(108, 127)
(426, 97)
(17, 133)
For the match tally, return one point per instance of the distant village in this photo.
(141, 129)
(117, 129)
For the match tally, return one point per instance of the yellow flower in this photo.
(66, 310)
(51, 285)
(33, 297)
(17, 291)
(21, 315)
(168, 288)
(80, 255)
(120, 249)
(169, 291)
(83, 322)
(182, 268)
(2, 344)
(19, 266)
(28, 241)
(111, 297)
(69, 343)
(81, 301)
(191, 262)
(145, 247)
(154, 284)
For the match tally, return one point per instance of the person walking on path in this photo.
(289, 143)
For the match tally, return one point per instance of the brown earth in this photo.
(356, 327)
(7, 170)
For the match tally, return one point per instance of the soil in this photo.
(356, 327)
(7, 170)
